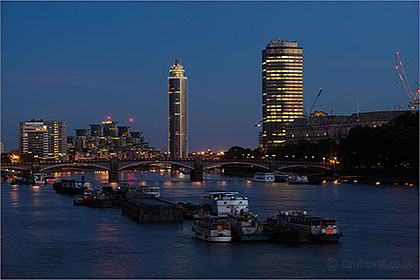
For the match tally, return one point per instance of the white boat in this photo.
(39, 178)
(263, 177)
(212, 229)
(155, 191)
(222, 203)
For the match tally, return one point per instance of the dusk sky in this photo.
(81, 62)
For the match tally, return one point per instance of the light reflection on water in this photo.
(60, 240)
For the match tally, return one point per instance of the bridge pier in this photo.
(113, 170)
(197, 173)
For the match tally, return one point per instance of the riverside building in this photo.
(43, 139)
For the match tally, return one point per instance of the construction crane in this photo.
(413, 98)
(316, 99)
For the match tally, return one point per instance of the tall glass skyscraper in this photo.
(282, 90)
(177, 119)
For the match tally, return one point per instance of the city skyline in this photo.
(65, 76)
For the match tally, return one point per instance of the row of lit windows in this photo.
(295, 93)
(285, 114)
(278, 134)
(284, 75)
(280, 120)
(286, 95)
(286, 110)
(284, 56)
(284, 70)
(290, 88)
(284, 78)
(283, 60)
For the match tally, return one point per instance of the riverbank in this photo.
(370, 176)
(379, 176)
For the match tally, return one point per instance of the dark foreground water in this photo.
(44, 236)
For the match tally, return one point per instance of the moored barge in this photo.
(318, 229)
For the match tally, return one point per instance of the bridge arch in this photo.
(73, 165)
(15, 167)
(219, 165)
(304, 165)
(154, 162)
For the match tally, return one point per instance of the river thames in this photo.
(45, 236)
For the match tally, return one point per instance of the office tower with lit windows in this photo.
(43, 139)
(177, 117)
(57, 139)
(282, 90)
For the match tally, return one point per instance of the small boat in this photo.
(10, 180)
(79, 201)
(96, 199)
(222, 203)
(212, 229)
(296, 179)
(147, 190)
(39, 178)
(263, 177)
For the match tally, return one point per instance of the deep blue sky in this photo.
(83, 61)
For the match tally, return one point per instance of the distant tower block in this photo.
(177, 117)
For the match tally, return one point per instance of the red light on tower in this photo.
(397, 53)
(131, 120)
(396, 67)
(108, 118)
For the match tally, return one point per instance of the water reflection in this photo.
(14, 196)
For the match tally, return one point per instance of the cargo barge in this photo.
(314, 229)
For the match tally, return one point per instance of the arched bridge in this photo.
(197, 167)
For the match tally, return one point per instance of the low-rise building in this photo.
(322, 126)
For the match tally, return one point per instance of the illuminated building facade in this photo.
(107, 140)
(109, 128)
(43, 139)
(177, 118)
(57, 139)
(282, 90)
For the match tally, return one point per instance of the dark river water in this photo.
(44, 236)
